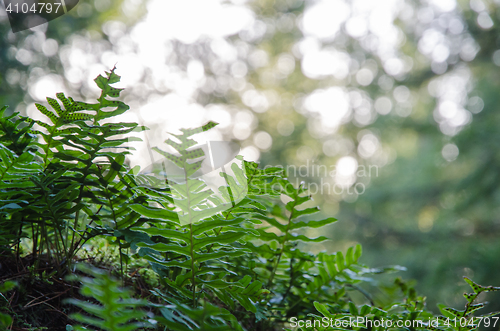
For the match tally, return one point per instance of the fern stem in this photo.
(47, 149)
(79, 244)
(121, 259)
(19, 241)
(80, 194)
(97, 108)
(219, 230)
(467, 306)
(111, 207)
(57, 230)
(191, 237)
(34, 240)
(193, 278)
(270, 282)
(291, 282)
(230, 210)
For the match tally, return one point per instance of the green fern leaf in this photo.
(116, 310)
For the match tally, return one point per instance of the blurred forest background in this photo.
(407, 89)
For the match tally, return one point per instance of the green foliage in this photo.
(116, 311)
(188, 252)
(454, 319)
(55, 185)
(5, 319)
(415, 183)
(408, 314)
(226, 259)
(181, 317)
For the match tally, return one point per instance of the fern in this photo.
(14, 131)
(454, 319)
(220, 246)
(411, 313)
(228, 257)
(116, 311)
(80, 172)
(191, 195)
(194, 240)
(181, 317)
(16, 172)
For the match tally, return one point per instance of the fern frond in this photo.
(194, 237)
(116, 311)
(13, 134)
(16, 171)
(177, 316)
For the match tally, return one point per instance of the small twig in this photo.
(366, 295)
(135, 271)
(55, 310)
(5, 278)
(19, 244)
(12, 298)
(49, 299)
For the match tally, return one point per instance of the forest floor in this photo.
(38, 300)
